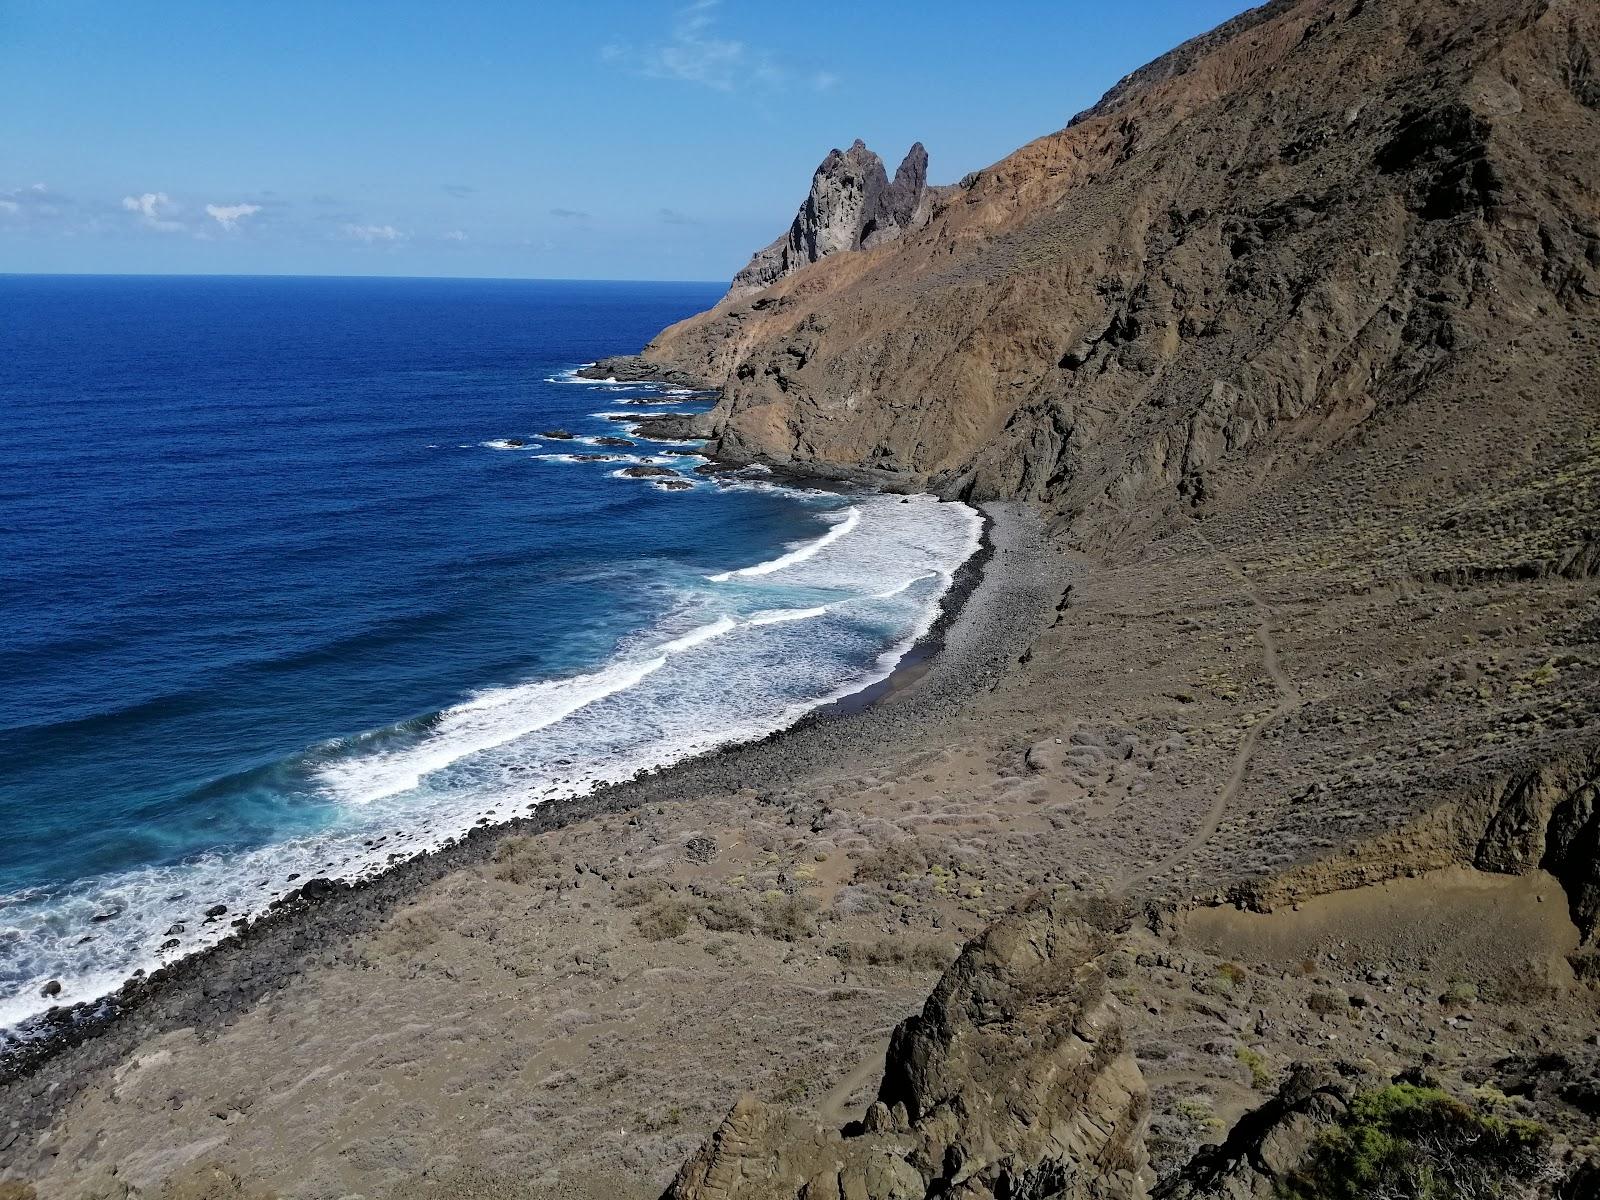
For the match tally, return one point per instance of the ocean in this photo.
(292, 586)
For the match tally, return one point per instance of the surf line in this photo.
(797, 555)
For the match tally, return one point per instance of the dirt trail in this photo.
(835, 1108)
(1288, 701)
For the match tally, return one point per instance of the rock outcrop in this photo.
(852, 204)
(1257, 1156)
(1543, 817)
(1015, 1080)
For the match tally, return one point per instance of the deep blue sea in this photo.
(291, 585)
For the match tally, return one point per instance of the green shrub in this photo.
(1460, 991)
(1260, 1076)
(1415, 1143)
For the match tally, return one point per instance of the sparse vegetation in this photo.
(1405, 1142)
(887, 952)
(1256, 1062)
(520, 860)
(663, 920)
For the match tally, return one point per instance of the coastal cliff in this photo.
(1248, 253)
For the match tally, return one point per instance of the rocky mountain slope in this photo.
(1247, 254)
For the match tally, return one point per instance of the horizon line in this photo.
(318, 275)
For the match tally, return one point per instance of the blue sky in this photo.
(650, 139)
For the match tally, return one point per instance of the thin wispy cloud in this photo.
(696, 51)
(459, 190)
(671, 216)
(374, 234)
(229, 215)
(155, 210)
(35, 200)
(456, 235)
(569, 214)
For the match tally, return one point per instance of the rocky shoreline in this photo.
(996, 598)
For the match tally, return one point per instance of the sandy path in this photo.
(1288, 701)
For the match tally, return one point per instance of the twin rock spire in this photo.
(853, 205)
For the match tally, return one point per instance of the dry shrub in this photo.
(903, 859)
(726, 912)
(413, 931)
(887, 952)
(521, 860)
(633, 893)
(1326, 1002)
(663, 920)
(788, 918)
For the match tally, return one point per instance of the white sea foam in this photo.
(776, 616)
(797, 555)
(727, 665)
(489, 719)
(696, 636)
(906, 586)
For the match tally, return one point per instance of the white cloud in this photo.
(374, 233)
(229, 215)
(694, 52)
(154, 210)
(10, 206)
(455, 235)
